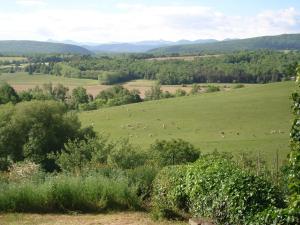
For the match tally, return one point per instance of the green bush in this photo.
(212, 88)
(214, 187)
(238, 86)
(217, 188)
(142, 178)
(126, 156)
(173, 152)
(169, 199)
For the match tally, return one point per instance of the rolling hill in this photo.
(280, 42)
(36, 47)
(251, 119)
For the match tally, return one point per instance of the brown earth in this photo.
(128, 218)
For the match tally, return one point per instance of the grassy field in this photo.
(12, 58)
(251, 119)
(130, 218)
(25, 79)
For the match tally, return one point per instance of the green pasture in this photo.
(26, 79)
(255, 119)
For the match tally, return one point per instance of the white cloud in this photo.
(140, 22)
(31, 2)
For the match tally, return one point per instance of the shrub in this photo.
(8, 94)
(173, 152)
(79, 155)
(195, 89)
(169, 199)
(215, 187)
(142, 178)
(238, 86)
(180, 92)
(212, 88)
(126, 156)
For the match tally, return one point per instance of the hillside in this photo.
(251, 119)
(36, 47)
(280, 42)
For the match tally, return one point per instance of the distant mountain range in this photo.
(279, 42)
(137, 47)
(159, 47)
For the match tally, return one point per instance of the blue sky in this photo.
(128, 21)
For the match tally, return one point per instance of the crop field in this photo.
(255, 119)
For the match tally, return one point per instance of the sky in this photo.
(106, 21)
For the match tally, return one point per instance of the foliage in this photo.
(118, 95)
(125, 156)
(238, 86)
(79, 155)
(180, 92)
(216, 187)
(195, 89)
(113, 77)
(8, 94)
(154, 93)
(63, 193)
(34, 129)
(169, 199)
(79, 96)
(173, 152)
(294, 157)
(212, 88)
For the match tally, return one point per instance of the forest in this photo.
(241, 67)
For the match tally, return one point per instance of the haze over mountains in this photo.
(160, 47)
(130, 47)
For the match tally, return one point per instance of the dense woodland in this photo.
(240, 67)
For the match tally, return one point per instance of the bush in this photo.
(212, 88)
(168, 198)
(180, 92)
(8, 94)
(126, 156)
(79, 155)
(142, 178)
(238, 86)
(173, 152)
(215, 187)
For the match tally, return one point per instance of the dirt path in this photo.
(128, 218)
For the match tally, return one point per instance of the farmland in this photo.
(22, 81)
(252, 119)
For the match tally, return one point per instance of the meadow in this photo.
(255, 119)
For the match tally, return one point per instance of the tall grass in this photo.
(64, 193)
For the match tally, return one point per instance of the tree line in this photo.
(241, 67)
